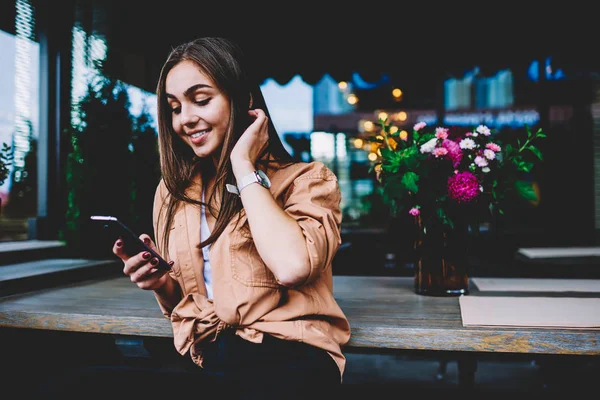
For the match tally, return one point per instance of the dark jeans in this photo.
(234, 368)
(281, 368)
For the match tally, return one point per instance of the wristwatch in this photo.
(256, 176)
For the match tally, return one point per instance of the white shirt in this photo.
(204, 234)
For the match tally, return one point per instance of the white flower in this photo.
(429, 146)
(467, 144)
(489, 154)
(484, 130)
(485, 170)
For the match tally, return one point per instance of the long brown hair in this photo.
(224, 63)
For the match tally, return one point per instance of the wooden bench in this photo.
(384, 313)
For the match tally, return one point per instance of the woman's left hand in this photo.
(253, 141)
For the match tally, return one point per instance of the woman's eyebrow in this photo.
(189, 91)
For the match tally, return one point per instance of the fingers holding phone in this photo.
(141, 268)
(141, 259)
(118, 250)
(146, 275)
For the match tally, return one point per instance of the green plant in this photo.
(98, 164)
(112, 167)
(448, 174)
(6, 156)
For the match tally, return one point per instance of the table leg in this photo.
(130, 346)
(441, 373)
(467, 366)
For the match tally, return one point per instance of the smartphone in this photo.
(132, 244)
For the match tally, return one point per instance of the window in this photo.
(19, 116)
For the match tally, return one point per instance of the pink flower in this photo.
(480, 161)
(441, 133)
(419, 125)
(454, 151)
(489, 154)
(493, 147)
(440, 151)
(414, 211)
(463, 187)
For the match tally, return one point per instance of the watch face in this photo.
(264, 180)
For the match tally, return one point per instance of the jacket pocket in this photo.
(246, 265)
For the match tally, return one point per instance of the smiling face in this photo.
(199, 110)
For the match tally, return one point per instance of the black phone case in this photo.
(132, 244)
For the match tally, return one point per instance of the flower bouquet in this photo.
(450, 181)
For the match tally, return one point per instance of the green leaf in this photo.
(387, 153)
(441, 214)
(535, 151)
(394, 188)
(409, 180)
(525, 166)
(426, 137)
(525, 189)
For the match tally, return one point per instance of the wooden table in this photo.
(384, 313)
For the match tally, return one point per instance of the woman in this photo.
(250, 233)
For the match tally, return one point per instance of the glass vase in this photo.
(441, 265)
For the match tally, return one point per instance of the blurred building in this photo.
(318, 117)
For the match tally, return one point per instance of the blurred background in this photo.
(77, 106)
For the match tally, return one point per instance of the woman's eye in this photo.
(202, 102)
(176, 110)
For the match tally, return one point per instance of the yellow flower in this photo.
(378, 172)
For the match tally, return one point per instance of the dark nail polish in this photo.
(154, 261)
(119, 243)
(171, 263)
(146, 255)
(146, 241)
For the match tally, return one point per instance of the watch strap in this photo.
(249, 179)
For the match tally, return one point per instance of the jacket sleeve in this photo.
(168, 301)
(314, 203)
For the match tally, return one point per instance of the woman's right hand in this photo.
(141, 268)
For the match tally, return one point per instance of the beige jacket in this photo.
(246, 295)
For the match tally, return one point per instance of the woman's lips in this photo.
(201, 139)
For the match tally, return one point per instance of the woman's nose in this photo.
(188, 116)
